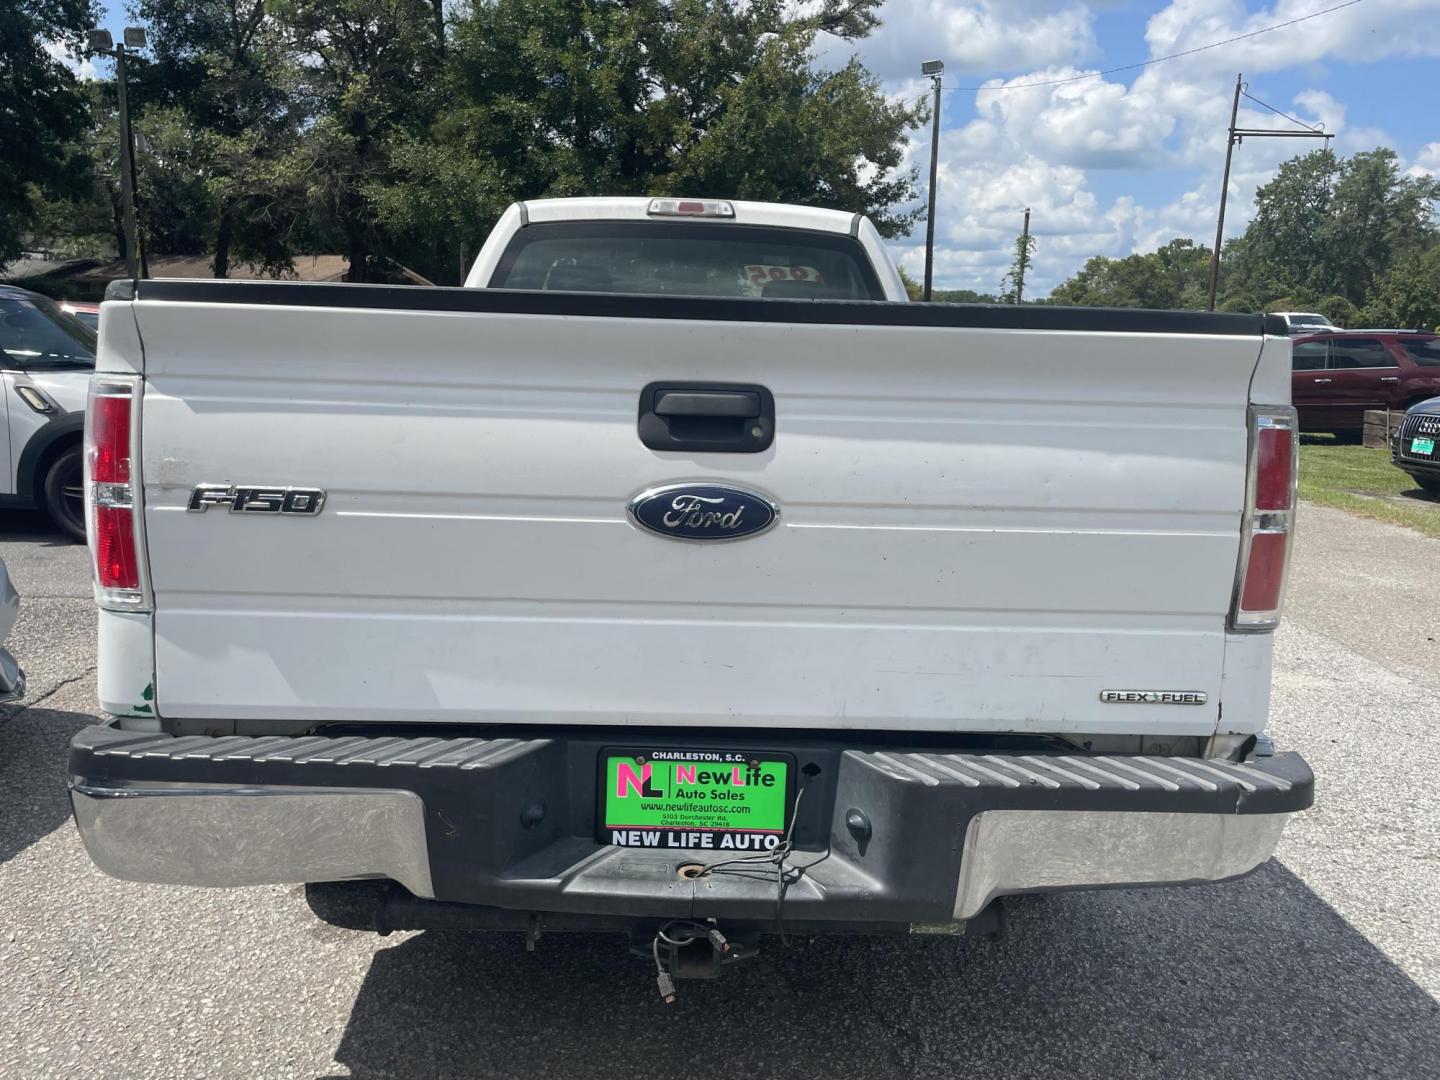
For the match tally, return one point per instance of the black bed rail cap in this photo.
(697, 308)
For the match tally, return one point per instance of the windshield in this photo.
(36, 333)
(687, 260)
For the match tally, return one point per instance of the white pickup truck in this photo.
(676, 578)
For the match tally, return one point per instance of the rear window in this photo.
(36, 334)
(1424, 351)
(687, 260)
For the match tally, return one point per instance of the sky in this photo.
(1125, 162)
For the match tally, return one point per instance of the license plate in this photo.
(710, 800)
(1422, 446)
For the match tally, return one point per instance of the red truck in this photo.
(1337, 376)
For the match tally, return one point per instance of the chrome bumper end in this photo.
(220, 835)
(1020, 851)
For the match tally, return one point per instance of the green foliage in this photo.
(44, 114)
(915, 290)
(221, 93)
(400, 129)
(1409, 295)
(1013, 283)
(1338, 310)
(1332, 227)
(1174, 276)
(554, 98)
(1330, 234)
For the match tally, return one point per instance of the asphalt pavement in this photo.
(1324, 963)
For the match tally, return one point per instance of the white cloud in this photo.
(1427, 162)
(1048, 147)
(1358, 34)
(82, 69)
(978, 36)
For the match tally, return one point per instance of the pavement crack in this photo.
(11, 712)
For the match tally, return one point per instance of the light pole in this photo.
(102, 42)
(935, 69)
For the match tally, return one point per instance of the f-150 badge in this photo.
(303, 502)
(706, 513)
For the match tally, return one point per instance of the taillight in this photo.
(1268, 524)
(112, 510)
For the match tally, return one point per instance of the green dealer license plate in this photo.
(717, 800)
(1422, 446)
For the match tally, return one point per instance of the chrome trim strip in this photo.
(224, 835)
(1020, 851)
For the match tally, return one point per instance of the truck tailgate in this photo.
(982, 527)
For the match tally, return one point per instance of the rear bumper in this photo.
(508, 823)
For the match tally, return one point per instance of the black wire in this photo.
(779, 857)
(1277, 112)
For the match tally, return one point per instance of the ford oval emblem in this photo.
(703, 512)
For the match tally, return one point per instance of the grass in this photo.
(1362, 481)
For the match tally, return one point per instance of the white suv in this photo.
(46, 358)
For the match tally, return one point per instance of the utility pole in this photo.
(1024, 259)
(102, 42)
(935, 69)
(1224, 191)
(1234, 137)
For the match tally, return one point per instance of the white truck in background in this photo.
(674, 578)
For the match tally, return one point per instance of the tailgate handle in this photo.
(738, 403)
(710, 418)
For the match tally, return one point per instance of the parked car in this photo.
(1337, 376)
(87, 313)
(46, 358)
(727, 599)
(1304, 322)
(12, 679)
(1416, 446)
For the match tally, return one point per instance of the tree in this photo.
(1330, 226)
(1173, 276)
(1376, 217)
(372, 73)
(45, 113)
(1012, 285)
(225, 77)
(1409, 295)
(632, 97)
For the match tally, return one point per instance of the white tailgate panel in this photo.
(981, 529)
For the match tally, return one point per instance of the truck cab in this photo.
(687, 247)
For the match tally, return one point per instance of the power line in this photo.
(1156, 60)
(1277, 112)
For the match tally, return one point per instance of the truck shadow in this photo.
(1251, 978)
(34, 748)
(32, 525)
